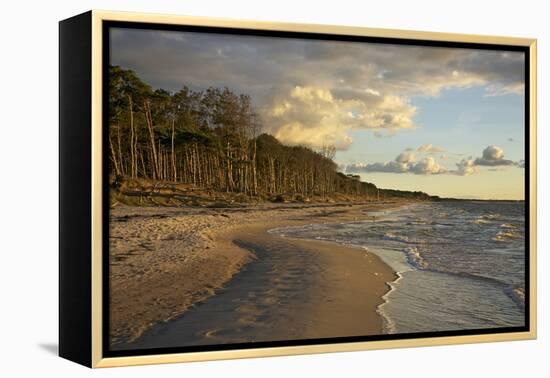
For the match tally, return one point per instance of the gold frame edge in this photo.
(533, 187)
(97, 206)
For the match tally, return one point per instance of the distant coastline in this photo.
(477, 199)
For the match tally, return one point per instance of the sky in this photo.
(446, 121)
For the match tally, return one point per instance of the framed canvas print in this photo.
(235, 189)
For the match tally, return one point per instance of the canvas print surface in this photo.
(275, 189)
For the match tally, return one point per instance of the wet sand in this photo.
(251, 286)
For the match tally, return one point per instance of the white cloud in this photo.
(389, 167)
(427, 166)
(405, 162)
(493, 156)
(493, 153)
(466, 167)
(429, 148)
(372, 91)
(313, 116)
(297, 133)
(405, 157)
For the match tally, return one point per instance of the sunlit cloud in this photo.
(429, 148)
(313, 116)
(405, 162)
(466, 167)
(493, 156)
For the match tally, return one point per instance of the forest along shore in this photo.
(166, 260)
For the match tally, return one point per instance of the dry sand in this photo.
(191, 276)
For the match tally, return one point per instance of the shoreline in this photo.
(205, 250)
(388, 326)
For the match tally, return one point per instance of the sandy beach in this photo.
(192, 276)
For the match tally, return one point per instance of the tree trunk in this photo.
(155, 161)
(119, 149)
(174, 170)
(113, 157)
(133, 167)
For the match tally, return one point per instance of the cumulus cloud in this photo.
(405, 157)
(405, 162)
(429, 148)
(315, 116)
(493, 156)
(428, 166)
(388, 167)
(466, 167)
(310, 91)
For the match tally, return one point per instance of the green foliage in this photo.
(125, 86)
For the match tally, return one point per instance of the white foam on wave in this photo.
(503, 236)
(389, 325)
(414, 257)
(508, 225)
(394, 237)
(486, 218)
(517, 293)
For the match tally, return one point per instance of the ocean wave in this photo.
(390, 327)
(394, 237)
(517, 293)
(414, 258)
(503, 236)
(441, 224)
(508, 225)
(419, 222)
(473, 276)
(486, 218)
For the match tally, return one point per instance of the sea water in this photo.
(460, 264)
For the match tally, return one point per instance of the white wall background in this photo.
(28, 186)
